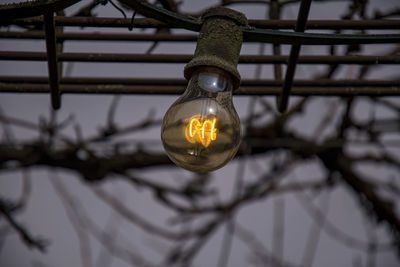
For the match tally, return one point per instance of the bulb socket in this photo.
(219, 43)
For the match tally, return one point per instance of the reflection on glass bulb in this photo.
(201, 130)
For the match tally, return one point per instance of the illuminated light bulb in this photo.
(201, 130)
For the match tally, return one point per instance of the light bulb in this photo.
(201, 130)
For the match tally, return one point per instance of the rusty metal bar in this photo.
(165, 37)
(95, 36)
(393, 24)
(179, 58)
(51, 47)
(294, 55)
(328, 83)
(178, 89)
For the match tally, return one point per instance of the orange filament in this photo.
(201, 132)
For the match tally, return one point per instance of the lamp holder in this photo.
(219, 43)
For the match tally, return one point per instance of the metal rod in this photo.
(317, 39)
(179, 58)
(95, 22)
(285, 37)
(51, 47)
(95, 36)
(328, 83)
(329, 24)
(262, 24)
(294, 55)
(275, 13)
(174, 89)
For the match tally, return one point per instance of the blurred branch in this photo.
(384, 159)
(136, 219)
(257, 248)
(315, 231)
(6, 209)
(86, 10)
(82, 235)
(334, 232)
(75, 210)
(96, 167)
(395, 12)
(381, 209)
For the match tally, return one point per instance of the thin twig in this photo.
(28, 239)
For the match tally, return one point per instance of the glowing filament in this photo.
(201, 132)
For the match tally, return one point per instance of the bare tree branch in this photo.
(26, 237)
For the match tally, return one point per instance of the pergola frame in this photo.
(261, 31)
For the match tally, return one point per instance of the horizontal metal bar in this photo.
(329, 24)
(284, 37)
(174, 89)
(393, 24)
(328, 83)
(95, 36)
(306, 38)
(179, 58)
(94, 22)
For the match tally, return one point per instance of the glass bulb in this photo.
(201, 130)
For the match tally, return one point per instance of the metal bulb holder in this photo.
(201, 130)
